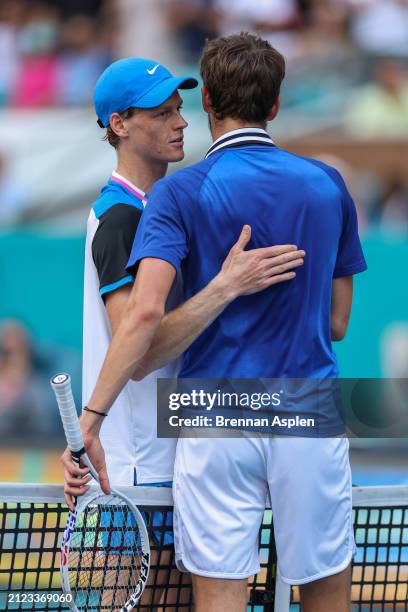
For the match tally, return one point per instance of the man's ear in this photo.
(117, 125)
(274, 110)
(206, 100)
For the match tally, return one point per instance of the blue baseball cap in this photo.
(135, 82)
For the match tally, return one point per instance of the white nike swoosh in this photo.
(153, 70)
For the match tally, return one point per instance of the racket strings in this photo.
(105, 555)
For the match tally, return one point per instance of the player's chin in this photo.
(176, 151)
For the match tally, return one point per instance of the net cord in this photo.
(380, 497)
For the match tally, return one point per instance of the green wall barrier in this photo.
(380, 299)
(41, 278)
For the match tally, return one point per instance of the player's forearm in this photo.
(178, 329)
(130, 342)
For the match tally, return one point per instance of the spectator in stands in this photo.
(192, 22)
(38, 38)
(326, 35)
(70, 8)
(380, 109)
(11, 14)
(323, 63)
(380, 27)
(275, 20)
(26, 407)
(81, 61)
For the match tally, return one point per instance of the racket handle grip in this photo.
(61, 385)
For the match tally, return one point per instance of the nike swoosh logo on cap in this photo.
(153, 70)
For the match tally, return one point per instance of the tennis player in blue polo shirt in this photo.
(193, 216)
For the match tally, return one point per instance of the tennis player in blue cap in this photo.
(138, 103)
(135, 82)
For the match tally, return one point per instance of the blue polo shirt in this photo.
(195, 216)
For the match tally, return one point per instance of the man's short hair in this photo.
(243, 74)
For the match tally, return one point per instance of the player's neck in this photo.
(219, 128)
(139, 171)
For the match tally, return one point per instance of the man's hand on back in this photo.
(242, 273)
(246, 272)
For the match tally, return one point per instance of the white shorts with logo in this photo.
(221, 487)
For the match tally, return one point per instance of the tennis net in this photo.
(32, 520)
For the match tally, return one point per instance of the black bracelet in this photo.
(103, 414)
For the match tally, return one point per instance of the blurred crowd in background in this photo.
(344, 100)
(27, 410)
(51, 51)
(347, 67)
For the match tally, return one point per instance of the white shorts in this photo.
(221, 487)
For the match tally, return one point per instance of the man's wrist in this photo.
(91, 423)
(222, 289)
(98, 412)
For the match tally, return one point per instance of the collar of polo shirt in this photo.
(241, 137)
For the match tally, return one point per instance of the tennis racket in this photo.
(105, 552)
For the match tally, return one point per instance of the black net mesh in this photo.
(380, 573)
(30, 537)
(380, 566)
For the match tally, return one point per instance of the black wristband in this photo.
(102, 414)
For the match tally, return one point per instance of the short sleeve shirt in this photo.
(195, 216)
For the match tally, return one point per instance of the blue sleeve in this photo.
(350, 257)
(162, 232)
